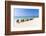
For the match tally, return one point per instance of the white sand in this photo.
(34, 24)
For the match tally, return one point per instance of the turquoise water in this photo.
(25, 17)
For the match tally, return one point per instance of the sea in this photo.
(25, 17)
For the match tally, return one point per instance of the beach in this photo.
(34, 24)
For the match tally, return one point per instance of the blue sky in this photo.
(26, 12)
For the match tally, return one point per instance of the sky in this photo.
(26, 12)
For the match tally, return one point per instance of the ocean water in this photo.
(25, 17)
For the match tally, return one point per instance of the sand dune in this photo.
(35, 20)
